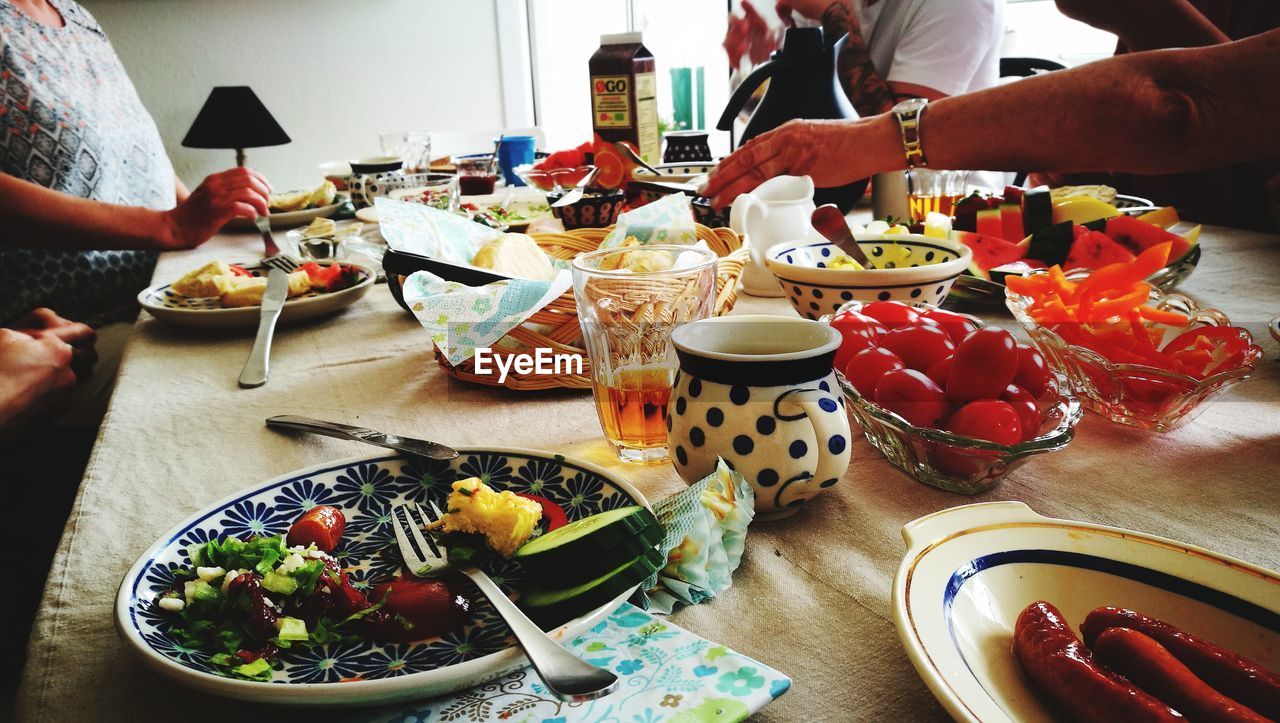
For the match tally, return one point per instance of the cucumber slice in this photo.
(588, 548)
(552, 606)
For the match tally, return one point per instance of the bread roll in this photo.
(515, 255)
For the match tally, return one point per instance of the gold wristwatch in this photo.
(908, 113)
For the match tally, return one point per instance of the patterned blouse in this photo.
(71, 120)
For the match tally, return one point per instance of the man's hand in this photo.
(749, 36)
(36, 379)
(239, 192)
(80, 337)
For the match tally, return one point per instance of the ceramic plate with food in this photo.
(971, 572)
(319, 610)
(219, 294)
(517, 214)
(296, 208)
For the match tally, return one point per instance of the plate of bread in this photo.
(296, 208)
(221, 295)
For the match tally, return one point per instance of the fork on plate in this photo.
(279, 266)
(567, 676)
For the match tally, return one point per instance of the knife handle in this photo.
(254, 373)
(317, 426)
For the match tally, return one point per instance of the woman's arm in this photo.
(1147, 113)
(33, 215)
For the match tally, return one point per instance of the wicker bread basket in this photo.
(555, 326)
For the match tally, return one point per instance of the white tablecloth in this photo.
(812, 595)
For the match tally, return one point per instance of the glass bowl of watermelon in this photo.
(911, 268)
(1156, 370)
(1027, 229)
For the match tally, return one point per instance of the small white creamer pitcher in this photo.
(777, 210)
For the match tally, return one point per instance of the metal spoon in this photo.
(575, 194)
(625, 150)
(832, 225)
(493, 160)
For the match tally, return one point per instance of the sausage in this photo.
(1150, 666)
(1232, 675)
(321, 525)
(417, 609)
(1065, 671)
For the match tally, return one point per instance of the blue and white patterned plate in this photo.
(366, 488)
(207, 312)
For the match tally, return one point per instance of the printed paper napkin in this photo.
(666, 221)
(706, 530)
(419, 229)
(666, 674)
(461, 318)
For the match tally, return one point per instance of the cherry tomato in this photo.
(940, 370)
(321, 525)
(919, 346)
(857, 332)
(867, 366)
(914, 397)
(1025, 405)
(1033, 371)
(552, 513)
(988, 419)
(957, 326)
(892, 314)
(983, 366)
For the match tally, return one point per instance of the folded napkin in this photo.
(706, 530)
(665, 221)
(666, 674)
(461, 318)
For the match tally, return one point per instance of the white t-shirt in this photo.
(952, 46)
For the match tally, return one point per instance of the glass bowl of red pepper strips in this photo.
(1132, 353)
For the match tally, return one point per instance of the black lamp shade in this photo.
(233, 117)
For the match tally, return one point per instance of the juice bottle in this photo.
(624, 91)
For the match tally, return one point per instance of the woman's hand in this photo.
(80, 337)
(36, 379)
(811, 9)
(832, 152)
(239, 192)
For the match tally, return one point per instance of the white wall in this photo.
(333, 72)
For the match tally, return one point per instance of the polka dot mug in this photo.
(759, 392)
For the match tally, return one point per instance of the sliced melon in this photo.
(1162, 217)
(1037, 210)
(1082, 209)
(990, 222)
(1052, 243)
(1095, 250)
(989, 251)
(1011, 222)
(1138, 236)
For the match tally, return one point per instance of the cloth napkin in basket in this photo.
(666, 674)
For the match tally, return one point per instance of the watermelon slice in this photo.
(1094, 250)
(1138, 236)
(989, 251)
(1037, 209)
(1011, 222)
(990, 222)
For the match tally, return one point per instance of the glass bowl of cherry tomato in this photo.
(950, 401)
(1136, 356)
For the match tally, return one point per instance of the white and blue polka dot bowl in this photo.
(922, 272)
(759, 392)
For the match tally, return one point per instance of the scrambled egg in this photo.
(504, 518)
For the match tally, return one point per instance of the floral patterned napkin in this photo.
(461, 318)
(666, 674)
(666, 221)
(431, 232)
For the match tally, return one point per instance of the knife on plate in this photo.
(254, 373)
(408, 445)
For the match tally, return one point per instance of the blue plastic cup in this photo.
(514, 151)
